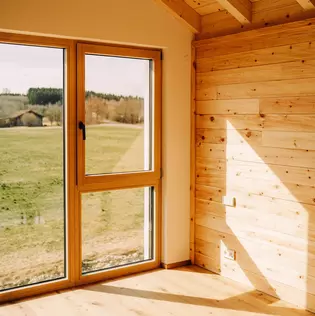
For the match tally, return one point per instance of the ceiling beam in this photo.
(240, 9)
(180, 9)
(307, 4)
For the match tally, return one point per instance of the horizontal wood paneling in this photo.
(282, 71)
(289, 140)
(292, 33)
(230, 137)
(259, 154)
(265, 13)
(266, 89)
(264, 56)
(255, 158)
(254, 122)
(228, 107)
(293, 105)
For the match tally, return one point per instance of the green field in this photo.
(31, 203)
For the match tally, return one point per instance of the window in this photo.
(32, 182)
(79, 162)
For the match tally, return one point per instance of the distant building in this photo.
(23, 118)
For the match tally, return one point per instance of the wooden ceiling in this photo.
(204, 7)
(248, 14)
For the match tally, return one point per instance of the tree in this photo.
(96, 110)
(130, 111)
(54, 114)
(44, 96)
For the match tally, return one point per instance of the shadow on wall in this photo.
(271, 225)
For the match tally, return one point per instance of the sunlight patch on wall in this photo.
(268, 221)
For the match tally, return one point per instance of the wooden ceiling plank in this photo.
(180, 9)
(240, 9)
(307, 4)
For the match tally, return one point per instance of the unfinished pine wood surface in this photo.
(183, 291)
(260, 14)
(255, 144)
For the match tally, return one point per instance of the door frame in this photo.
(74, 185)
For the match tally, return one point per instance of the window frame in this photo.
(112, 180)
(75, 183)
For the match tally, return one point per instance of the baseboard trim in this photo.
(175, 264)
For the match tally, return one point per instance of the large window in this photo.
(79, 163)
(32, 201)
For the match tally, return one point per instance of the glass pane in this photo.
(117, 115)
(116, 228)
(32, 221)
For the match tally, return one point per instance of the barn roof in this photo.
(20, 113)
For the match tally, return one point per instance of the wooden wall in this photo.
(255, 143)
(265, 13)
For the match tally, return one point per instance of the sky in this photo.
(22, 67)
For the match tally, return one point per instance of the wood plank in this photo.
(259, 236)
(233, 221)
(228, 107)
(269, 239)
(240, 9)
(285, 105)
(289, 123)
(230, 122)
(266, 206)
(258, 154)
(218, 24)
(181, 10)
(210, 8)
(241, 222)
(228, 136)
(233, 170)
(288, 34)
(307, 4)
(266, 56)
(282, 71)
(263, 161)
(204, 7)
(211, 150)
(186, 291)
(283, 88)
(293, 275)
(275, 189)
(265, 13)
(289, 140)
(242, 275)
(192, 156)
(211, 243)
(174, 265)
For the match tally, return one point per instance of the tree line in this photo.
(99, 107)
(45, 96)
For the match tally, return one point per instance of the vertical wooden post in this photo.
(192, 156)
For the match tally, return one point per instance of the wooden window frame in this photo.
(109, 181)
(76, 185)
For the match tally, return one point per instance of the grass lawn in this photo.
(31, 203)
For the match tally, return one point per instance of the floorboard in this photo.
(182, 291)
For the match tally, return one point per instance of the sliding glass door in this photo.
(80, 146)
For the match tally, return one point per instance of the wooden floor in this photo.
(184, 291)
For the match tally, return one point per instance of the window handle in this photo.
(82, 127)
